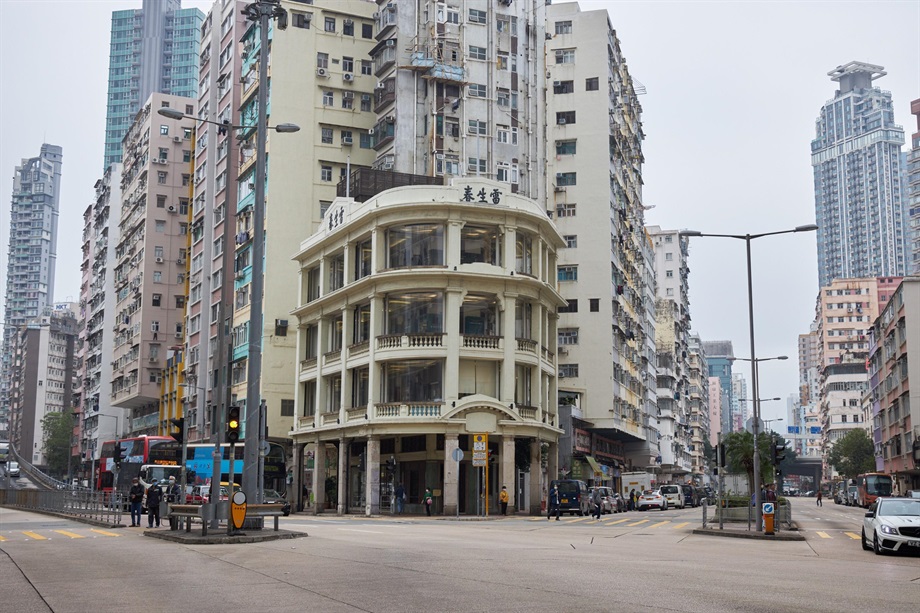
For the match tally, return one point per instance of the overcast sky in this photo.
(734, 89)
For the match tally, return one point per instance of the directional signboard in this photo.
(480, 449)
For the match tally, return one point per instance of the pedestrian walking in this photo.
(400, 498)
(136, 497)
(154, 498)
(819, 501)
(554, 503)
(503, 499)
(597, 502)
(173, 496)
(632, 499)
(428, 500)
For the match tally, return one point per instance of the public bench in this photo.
(265, 510)
(204, 512)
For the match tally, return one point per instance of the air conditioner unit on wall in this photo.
(159, 260)
(348, 76)
(171, 208)
(322, 72)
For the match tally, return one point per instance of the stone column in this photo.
(508, 470)
(372, 477)
(536, 480)
(297, 484)
(342, 477)
(451, 475)
(319, 477)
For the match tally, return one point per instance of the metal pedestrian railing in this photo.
(98, 506)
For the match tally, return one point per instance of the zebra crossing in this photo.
(622, 523)
(49, 534)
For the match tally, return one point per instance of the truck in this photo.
(639, 481)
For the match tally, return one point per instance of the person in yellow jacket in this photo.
(503, 498)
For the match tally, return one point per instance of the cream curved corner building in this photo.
(427, 315)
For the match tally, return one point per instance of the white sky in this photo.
(734, 89)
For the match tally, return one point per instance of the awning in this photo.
(594, 465)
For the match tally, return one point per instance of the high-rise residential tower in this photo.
(719, 359)
(153, 49)
(32, 252)
(912, 231)
(856, 156)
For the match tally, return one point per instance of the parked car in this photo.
(912, 494)
(12, 469)
(840, 493)
(621, 505)
(691, 495)
(193, 495)
(273, 497)
(653, 499)
(852, 499)
(573, 496)
(674, 494)
(892, 524)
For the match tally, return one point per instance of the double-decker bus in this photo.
(871, 486)
(148, 458)
(200, 465)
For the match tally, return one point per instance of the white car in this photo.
(892, 524)
(652, 498)
(674, 494)
(12, 469)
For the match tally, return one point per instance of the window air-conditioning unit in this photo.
(348, 95)
(371, 131)
(178, 335)
(391, 42)
(439, 156)
(386, 166)
(346, 140)
(562, 375)
(391, 118)
(561, 121)
(159, 260)
(563, 351)
(557, 83)
(180, 261)
(171, 208)
(380, 85)
(348, 76)
(151, 359)
(322, 72)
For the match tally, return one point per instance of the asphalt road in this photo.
(626, 562)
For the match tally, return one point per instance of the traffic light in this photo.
(118, 454)
(180, 435)
(722, 460)
(233, 424)
(778, 452)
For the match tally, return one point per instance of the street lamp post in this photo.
(747, 238)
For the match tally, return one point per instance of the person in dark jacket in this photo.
(174, 496)
(135, 497)
(154, 497)
(554, 503)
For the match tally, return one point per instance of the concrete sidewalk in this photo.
(740, 530)
(220, 537)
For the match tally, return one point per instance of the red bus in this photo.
(871, 486)
(148, 458)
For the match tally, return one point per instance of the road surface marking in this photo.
(2, 538)
(661, 523)
(639, 523)
(72, 535)
(822, 535)
(681, 525)
(575, 520)
(103, 532)
(619, 521)
(358, 530)
(35, 535)
(853, 535)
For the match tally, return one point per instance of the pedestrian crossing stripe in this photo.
(680, 525)
(661, 523)
(619, 521)
(72, 535)
(103, 532)
(823, 535)
(638, 523)
(35, 535)
(853, 535)
(577, 519)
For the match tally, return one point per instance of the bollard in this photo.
(704, 514)
(768, 516)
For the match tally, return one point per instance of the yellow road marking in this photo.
(72, 535)
(577, 519)
(104, 532)
(2, 538)
(35, 535)
(661, 523)
(640, 522)
(853, 535)
(619, 521)
(681, 525)
(822, 535)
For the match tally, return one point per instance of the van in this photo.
(12, 469)
(674, 494)
(573, 495)
(691, 495)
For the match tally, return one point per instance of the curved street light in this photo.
(747, 238)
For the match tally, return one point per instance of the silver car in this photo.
(892, 524)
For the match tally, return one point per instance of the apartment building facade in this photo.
(153, 49)
(150, 257)
(856, 157)
(44, 373)
(606, 271)
(912, 229)
(699, 407)
(895, 405)
(427, 318)
(719, 358)
(716, 396)
(32, 255)
(99, 420)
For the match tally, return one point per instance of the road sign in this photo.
(793, 429)
(768, 508)
(238, 509)
(480, 449)
(457, 455)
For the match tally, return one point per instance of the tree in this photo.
(853, 454)
(739, 452)
(58, 431)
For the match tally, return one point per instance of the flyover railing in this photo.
(97, 506)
